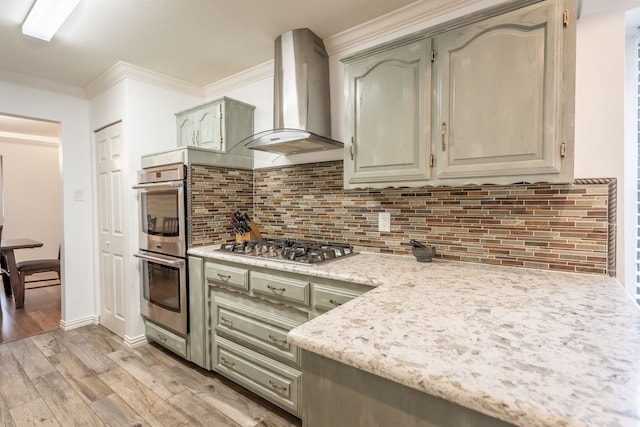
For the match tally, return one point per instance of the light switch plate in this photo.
(78, 195)
(384, 222)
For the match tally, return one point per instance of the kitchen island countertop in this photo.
(530, 347)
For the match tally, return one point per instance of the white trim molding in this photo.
(243, 78)
(24, 138)
(27, 80)
(77, 323)
(122, 70)
(403, 20)
(132, 342)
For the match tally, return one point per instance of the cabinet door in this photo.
(186, 129)
(388, 118)
(208, 124)
(500, 85)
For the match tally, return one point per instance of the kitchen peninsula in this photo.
(524, 346)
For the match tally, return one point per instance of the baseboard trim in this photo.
(135, 341)
(77, 323)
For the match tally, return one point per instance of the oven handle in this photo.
(159, 184)
(163, 261)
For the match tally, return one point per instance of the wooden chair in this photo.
(27, 268)
(170, 226)
(5, 272)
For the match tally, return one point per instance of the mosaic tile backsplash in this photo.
(564, 227)
(214, 193)
(568, 227)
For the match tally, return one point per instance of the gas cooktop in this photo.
(297, 251)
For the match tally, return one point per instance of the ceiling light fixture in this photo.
(46, 17)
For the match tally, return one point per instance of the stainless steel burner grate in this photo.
(299, 251)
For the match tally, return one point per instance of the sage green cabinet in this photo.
(217, 125)
(500, 84)
(197, 310)
(486, 99)
(245, 314)
(388, 110)
(340, 395)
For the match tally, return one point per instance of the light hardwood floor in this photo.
(41, 312)
(88, 377)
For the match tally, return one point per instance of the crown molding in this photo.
(27, 138)
(122, 70)
(243, 78)
(34, 82)
(404, 20)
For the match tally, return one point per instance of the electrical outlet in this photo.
(384, 222)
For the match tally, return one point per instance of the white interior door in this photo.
(112, 264)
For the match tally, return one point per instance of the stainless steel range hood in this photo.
(301, 107)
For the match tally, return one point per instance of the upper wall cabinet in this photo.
(503, 90)
(488, 98)
(217, 125)
(388, 117)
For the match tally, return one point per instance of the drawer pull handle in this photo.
(334, 302)
(274, 289)
(227, 362)
(278, 340)
(161, 338)
(224, 277)
(278, 387)
(444, 136)
(226, 321)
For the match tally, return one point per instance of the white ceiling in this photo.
(198, 41)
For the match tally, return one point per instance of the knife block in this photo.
(254, 234)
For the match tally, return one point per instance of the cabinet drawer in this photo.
(272, 380)
(253, 329)
(226, 275)
(282, 288)
(171, 341)
(327, 298)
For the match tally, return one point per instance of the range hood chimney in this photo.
(301, 107)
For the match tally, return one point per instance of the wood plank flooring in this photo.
(88, 377)
(41, 312)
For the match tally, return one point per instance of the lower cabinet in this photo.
(248, 312)
(341, 395)
(270, 379)
(167, 339)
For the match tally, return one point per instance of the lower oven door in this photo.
(164, 291)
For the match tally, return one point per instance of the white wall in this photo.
(31, 175)
(631, 180)
(75, 164)
(150, 127)
(600, 116)
(147, 113)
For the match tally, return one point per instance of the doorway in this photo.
(31, 191)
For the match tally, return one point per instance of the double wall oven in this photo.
(163, 246)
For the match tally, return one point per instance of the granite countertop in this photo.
(530, 347)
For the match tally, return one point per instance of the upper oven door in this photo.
(162, 218)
